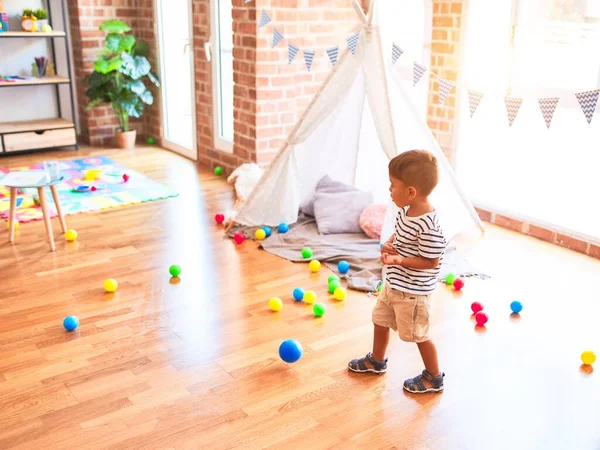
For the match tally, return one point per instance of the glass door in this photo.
(177, 76)
(532, 49)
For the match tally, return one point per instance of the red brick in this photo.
(541, 233)
(484, 215)
(571, 243)
(594, 251)
(507, 222)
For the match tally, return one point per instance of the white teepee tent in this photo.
(360, 119)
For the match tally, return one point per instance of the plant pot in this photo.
(40, 24)
(125, 139)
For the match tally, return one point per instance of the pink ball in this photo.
(219, 218)
(239, 238)
(476, 307)
(458, 284)
(481, 318)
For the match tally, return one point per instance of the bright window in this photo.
(547, 176)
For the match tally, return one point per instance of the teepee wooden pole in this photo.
(359, 11)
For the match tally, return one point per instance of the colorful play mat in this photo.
(109, 185)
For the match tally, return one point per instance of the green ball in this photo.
(307, 252)
(174, 270)
(319, 309)
(218, 171)
(450, 278)
(380, 288)
(150, 140)
(333, 285)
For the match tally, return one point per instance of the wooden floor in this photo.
(194, 364)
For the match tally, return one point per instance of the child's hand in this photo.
(391, 260)
(388, 248)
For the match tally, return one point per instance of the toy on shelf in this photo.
(29, 21)
(3, 20)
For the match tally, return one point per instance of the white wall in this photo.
(16, 57)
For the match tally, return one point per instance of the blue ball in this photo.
(343, 266)
(290, 351)
(298, 294)
(267, 231)
(71, 323)
(283, 228)
(516, 306)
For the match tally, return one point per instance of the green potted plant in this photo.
(118, 79)
(42, 18)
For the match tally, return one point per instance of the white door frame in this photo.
(215, 59)
(188, 153)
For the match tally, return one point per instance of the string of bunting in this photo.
(588, 100)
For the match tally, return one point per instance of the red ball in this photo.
(458, 284)
(125, 177)
(94, 189)
(239, 238)
(481, 318)
(219, 218)
(476, 307)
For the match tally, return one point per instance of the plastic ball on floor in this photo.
(450, 279)
(290, 351)
(314, 266)
(310, 297)
(70, 323)
(330, 278)
(275, 304)
(15, 224)
(298, 294)
(458, 284)
(111, 285)
(150, 140)
(476, 307)
(175, 270)
(218, 171)
(516, 306)
(319, 309)
(268, 231)
(125, 178)
(220, 218)
(71, 235)
(333, 285)
(239, 238)
(339, 293)
(283, 228)
(588, 357)
(307, 252)
(481, 318)
(260, 234)
(343, 266)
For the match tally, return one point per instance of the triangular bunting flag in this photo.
(474, 100)
(353, 42)
(277, 37)
(396, 53)
(513, 104)
(548, 106)
(309, 56)
(445, 87)
(333, 54)
(418, 71)
(264, 19)
(292, 52)
(588, 101)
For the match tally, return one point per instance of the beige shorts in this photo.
(403, 312)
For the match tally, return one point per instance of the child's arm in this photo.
(415, 262)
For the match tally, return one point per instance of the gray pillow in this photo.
(325, 184)
(339, 212)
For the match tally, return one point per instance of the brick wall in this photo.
(99, 125)
(445, 60)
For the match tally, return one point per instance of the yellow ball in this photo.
(46, 29)
(310, 296)
(275, 304)
(588, 357)
(260, 234)
(71, 235)
(15, 224)
(339, 293)
(111, 285)
(314, 266)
